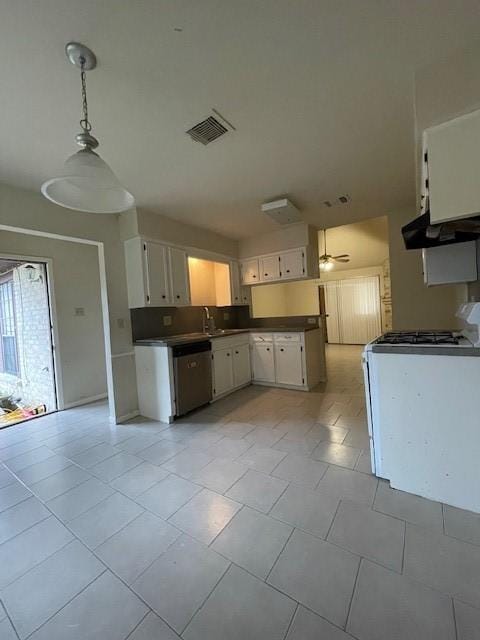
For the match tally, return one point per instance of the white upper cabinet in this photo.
(179, 276)
(269, 267)
(156, 269)
(453, 161)
(292, 264)
(157, 275)
(239, 294)
(249, 271)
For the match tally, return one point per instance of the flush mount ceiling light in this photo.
(327, 261)
(87, 183)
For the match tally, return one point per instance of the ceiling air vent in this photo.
(207, 131)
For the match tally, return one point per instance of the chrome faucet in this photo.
(206, 319)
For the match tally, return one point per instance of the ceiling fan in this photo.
(327, 261)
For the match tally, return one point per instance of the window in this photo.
(8, 344)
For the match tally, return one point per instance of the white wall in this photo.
(159, 227)
(30, 211)
(76, 283)
(285, 237)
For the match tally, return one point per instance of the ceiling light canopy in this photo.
(87, 183)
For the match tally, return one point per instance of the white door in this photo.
(179, 277)
(292, 264)
(353, 309)
(263, 364)
(249, 271)
(242, 372)
(222, 371)
(269, 268)
(289, 364)
(156, 268)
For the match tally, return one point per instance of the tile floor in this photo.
(254, 518)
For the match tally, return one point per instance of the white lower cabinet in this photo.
(263, 364)
(242, 371)
(230, 364)
(289, 364)
(222, 371)
(290, 359)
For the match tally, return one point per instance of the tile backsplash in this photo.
(152, 322)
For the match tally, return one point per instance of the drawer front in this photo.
(288, 337)
(228, 342)
(261, 337)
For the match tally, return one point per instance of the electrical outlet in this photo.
(79, 311)
(312, 320)
(226, 315)
(167, 321)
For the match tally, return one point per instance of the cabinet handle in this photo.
(228, 353)
(281, 349)
(178, 297)
(236, 352)
(288, 270)
(164, 297)
(268, 349)
(266, 274)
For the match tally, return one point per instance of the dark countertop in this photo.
(282, 329)
(170, 341)
(422, 350)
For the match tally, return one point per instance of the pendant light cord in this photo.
(84, 123)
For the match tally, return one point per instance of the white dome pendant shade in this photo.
(87, 183)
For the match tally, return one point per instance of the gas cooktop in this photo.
(417, 337)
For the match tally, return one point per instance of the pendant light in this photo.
(87, 183)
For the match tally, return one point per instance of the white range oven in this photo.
(423, 408)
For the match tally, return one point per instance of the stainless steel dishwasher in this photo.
(192, 365)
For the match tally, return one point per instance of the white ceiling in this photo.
(321, 93)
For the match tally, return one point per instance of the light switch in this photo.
(167, 321)
(79, 311)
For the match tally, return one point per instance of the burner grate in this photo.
(418, 337)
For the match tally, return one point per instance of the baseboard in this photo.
(124, 418)
(89, 400)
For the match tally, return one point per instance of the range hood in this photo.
(420, 234)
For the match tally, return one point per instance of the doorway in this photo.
(352, 309)
(27, 372)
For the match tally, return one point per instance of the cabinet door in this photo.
(180, 285)
(246, 295)
(453, 151)
(263, 362)
(156, 269)
(242, 372)
(292, 264)
(222, 371)
(235, 287)
(249, 271)
(269, 268)
(289, 364)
